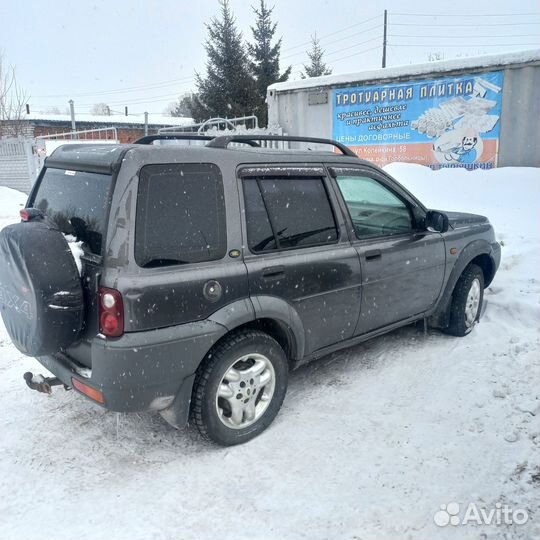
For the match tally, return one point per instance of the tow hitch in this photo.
(41, 383)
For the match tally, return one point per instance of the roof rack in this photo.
(149, 139)
(224, 140)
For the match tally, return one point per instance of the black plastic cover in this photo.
(41, 297)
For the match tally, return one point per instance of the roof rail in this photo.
(224, 140)
(149, 139)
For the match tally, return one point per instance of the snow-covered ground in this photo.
(369, 444)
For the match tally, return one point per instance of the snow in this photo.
(369, 443)
(76, 250)
(441, 66)
(11, 201)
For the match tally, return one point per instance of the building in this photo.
(24, 143)
(128, 128)
(471, 112)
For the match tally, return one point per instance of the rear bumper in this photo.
(143, 370)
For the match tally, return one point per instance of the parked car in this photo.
(210, 270)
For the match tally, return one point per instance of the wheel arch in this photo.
(488, 266)
(477, 252)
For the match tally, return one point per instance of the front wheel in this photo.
(467, 301)
(239, 388)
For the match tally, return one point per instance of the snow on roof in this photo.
(153, 119)
(491, 60)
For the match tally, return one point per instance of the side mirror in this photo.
(436, 221)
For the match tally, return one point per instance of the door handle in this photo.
(373, 254)
(272, 272)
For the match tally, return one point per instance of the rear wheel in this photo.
(239, 388)
(467, 301)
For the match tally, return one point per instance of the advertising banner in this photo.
(446, 122)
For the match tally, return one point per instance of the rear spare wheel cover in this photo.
(41, 297)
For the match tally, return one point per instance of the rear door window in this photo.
(180, 215)
(77, 202)
(287, 213)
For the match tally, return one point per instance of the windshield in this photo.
(76, 202)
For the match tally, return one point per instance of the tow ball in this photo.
(41, 383)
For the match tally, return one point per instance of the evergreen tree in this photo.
(182, 107)
(228, 88)
(317, 66)
(265, 57)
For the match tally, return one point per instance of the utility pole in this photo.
(384, 39)
(72, 112)
(146, 123)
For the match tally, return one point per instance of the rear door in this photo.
(402, 263)
(182, 271)
(77, 202)
(299, 250)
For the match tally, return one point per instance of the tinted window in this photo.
(259, 230)
(299, 213)
(180, 215)
(374, 209)
(77, 202)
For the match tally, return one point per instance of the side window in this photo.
(374, 209)
(285, 213)
(180, 215)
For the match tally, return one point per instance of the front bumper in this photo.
(496, 255)
(141, 370)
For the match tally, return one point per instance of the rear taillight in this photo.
(111, 312)
(28, 214)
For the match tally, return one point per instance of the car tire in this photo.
(467, 300)
(239, 388)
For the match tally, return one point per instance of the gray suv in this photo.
(210, 267)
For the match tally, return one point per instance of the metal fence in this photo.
(19, 163)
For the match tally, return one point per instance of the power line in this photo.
(453, 36)
(324, 36)
(435, 45)
(340, 39)
(465, 25)
(356, 53)
(536, 14)
(151, 86)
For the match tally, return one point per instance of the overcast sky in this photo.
(143, 54)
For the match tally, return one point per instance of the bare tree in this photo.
(101, 109)
(435, 56)
(13, 101)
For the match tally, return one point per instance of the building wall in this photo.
(519, 141)
(33, 128)
(125, 134)
(520, 131)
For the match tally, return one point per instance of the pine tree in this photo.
(317, 66)
(228, 88)
(265, 57)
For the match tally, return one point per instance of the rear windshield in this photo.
(77, 202)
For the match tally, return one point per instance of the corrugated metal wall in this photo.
(15, 164)
(519, 141)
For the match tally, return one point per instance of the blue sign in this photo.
(451, 121)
